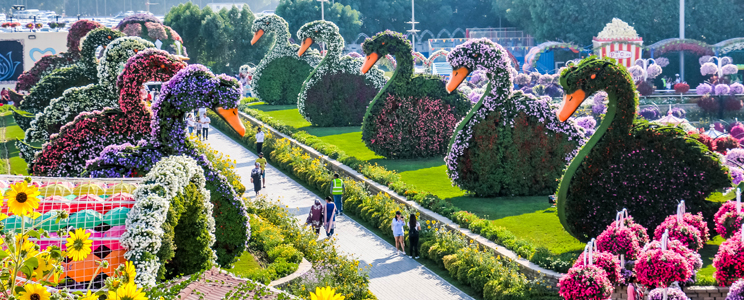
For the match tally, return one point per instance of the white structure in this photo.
(225, 5)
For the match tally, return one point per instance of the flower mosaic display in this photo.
(278, 77)
(152, 29)
(413, 116)
(506, 133)
(336, 93)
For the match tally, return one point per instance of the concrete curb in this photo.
(304, 267)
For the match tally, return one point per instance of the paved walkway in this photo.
(392, 277)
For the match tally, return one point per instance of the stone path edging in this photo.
(304, 267)
(530, 269)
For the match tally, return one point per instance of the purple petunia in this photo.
(721, 89)
(736, 292)
(703, 89)
(599, 107)
(672, 294)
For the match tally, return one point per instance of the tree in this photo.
(300, 12)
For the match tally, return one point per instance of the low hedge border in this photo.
(284, 258)
(298, 159)
(540, 256)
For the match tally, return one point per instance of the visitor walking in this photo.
(259, 140)
(337, 190)
(261, 160)
(315, 218)
(397, 225)
(256, 178)
(413, 236)
(190, 123)
(198, 127)
(330, 216)
(204, 120)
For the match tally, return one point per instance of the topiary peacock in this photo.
(336, 93)
(82, 139)
(422, 114)
(88, 98)
(82, 73)
(629, 162)
(279, 76)
(191, 88)
(509, 143)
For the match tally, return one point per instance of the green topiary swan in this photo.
(79, 74)
(336, 93)
(279, 76)
(418, 106)
(509, 143)
(628, 162)
(92, 97)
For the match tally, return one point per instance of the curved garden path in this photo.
(392, 277)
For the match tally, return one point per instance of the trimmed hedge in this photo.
(630, 163)
(282, 79)
(413, 116)
(293, 159)
(338, 100)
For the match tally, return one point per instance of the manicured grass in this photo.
(708, 253)
(245, 265)
(531, 218)
(12, 133)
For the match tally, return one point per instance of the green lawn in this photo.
(527, 217)
(245, 265)
(12, 133)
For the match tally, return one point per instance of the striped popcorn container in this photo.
(625, 50)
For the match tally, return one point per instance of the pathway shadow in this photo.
(393, 265)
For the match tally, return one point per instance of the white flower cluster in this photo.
(617, 29)
(275, 26)
(144, 222)
(91, 97)
(334, 61)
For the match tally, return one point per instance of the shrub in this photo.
(338, 99)
(524, 158)
(188, 225)
(281, 80)
(724, 144)
(681, 88)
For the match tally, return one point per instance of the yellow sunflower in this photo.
(78, 245)
(127, 292)
(129, 272)
(89, 296)
(27, 250)
(22, 198)
(326, 293)
(46, 265)
(35, 292)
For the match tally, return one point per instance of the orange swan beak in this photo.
(571, 102)
(305, 45)
(370, 61)
(231, 117)
(457, 77)
(257, 36)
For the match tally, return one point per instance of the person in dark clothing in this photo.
(330, 216)
(315, 218)
(413, 236)
(256, 178)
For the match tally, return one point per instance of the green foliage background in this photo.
(282, 80)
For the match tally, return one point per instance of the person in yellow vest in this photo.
(262, 161)
(337, 190)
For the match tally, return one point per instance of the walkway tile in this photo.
(392, 277)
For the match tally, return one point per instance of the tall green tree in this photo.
(300, 12)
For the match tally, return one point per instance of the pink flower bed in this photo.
(619, 241)
(585, 283)
(729, 261)
(659, 268)
(687, 234)
(607, 262)
(727, 220)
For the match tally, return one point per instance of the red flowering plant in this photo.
(693, 258)
(728, 220)
(152, 29)
(619, 241)
(729, 261)
(659, 268)
(681, 231)
(640, 232)
(607, 262)
(585, 283)
(724, 144)
(681, 88)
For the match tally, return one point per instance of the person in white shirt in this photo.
(198, 126)
(259, 140)
(204, 120)
(190, 123)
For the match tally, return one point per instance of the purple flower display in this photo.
(534, 77)
(721, 89)
(355, 55)
(736, 88)
(522, 79)
(736, 292)
(672, 294)
(703, 89)
(708, 69)
(588, 123)
(554, 90)
(679, 112)
(735, 158)
(478, 77)
(650, 113)
(545, 79)
(662, 61)
(474, 96)
(599, 107)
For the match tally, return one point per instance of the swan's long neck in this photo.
(281, 38)
(498, 90)
(618, 120)
(404, 58)
(168, 131)
(335, 48)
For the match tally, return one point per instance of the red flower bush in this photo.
(421, 126)
(729, 261)
(693, 258)
(724, 144)
(728, 221)
(640, 232)
(619, 241)
(681, 88)
(585, 283)
(704, 139)
(708, 104)
(607, 262)
(659, 268)
(681, 231)
(732, 103)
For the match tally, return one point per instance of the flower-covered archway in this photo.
(534, 54)
(676, 44)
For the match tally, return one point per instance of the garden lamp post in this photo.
(322, 9)
(682, 37)
(413, 26)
